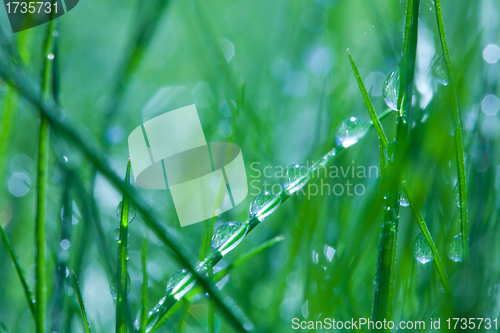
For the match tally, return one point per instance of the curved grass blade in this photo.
(20, 274)
(373, 115)
(144, 300)
(86, 323)
(459, 143)
(121, 297)
(425, 231)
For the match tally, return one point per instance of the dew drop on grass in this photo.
(131, 211)
(264, 204)
(422, 250)
(390, 89)
(323, 161)
(351, 130)
(295, 177)
(455, 248)
(114, 290)
(180, 283)
(439, 71)
(116, 233)
(403, 200)
(228, 236)
(390, 153)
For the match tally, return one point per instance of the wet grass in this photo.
(314, 256)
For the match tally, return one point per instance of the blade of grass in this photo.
(384, 279)
(121, 297)
(41, 195)
(20, 274)
(425, 231)
(86, 323)
(373, 115)
(459, 143)
(7, 127)
(144, 299)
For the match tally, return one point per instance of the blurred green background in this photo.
(274, 78)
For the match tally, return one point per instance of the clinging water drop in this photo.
(455, 249)
(390, 89)
(264, 204)
(422, 250)
(351, 130)
(296, 176)
(439, 71)
(131, 211)
(180, 283)
(228, 236)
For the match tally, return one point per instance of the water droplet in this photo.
(65, 244)
(131, 211)
(403, 200)
(114, 290)
(321, 162)
(455, 248)
(228, 236)
(422, 250)
(264, 204)
(329, 252)
(116, 233)
(50, 56)
(439, 70)
(350, 131)
(180, 283)
(390, 89)
(295, 177)
(390, 154)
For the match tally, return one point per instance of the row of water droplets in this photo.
(230, 234)
(116, 234)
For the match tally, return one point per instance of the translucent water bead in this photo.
(422, 250)
(228, 236)
(180, 283)
(114, 289)
(264, 204)
(439, 71)
(296, 176)
(390, 89)
(131, 211)
(351, 130)
(455, 249)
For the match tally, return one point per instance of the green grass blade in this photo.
(425, 231)
(122, 283)
(384, 280)
(41, 195)
(20, 274)
(144, 299)
(373, 115)
(86, 323)
(459, 143)
(7, 127)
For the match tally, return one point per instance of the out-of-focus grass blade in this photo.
(264, 246)
(42, 185)
(373, 115)
(86, 323)
(20, 274)
(144, 301)
(425, 231)
(459, 143)
(122, 281)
